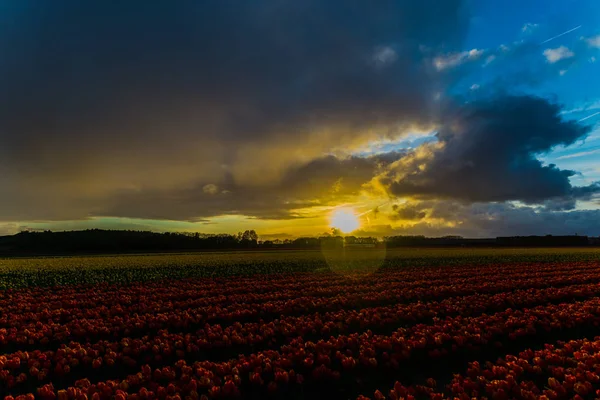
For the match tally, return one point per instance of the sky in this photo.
(462, 117)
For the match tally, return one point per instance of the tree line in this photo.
(123, 241)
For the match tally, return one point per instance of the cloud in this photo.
(407, 212)
(588, 106)
(455, 59)
(519, 67)
(489, 59)
(384, 56)
(103, 99)
(569, 201)
(557, 54)
(579, 154)
(487, 151)
(496, 219)
(210, 188)
(321, 182)
(9, 229)
(594, 41)
(119, 110)
(529, 27)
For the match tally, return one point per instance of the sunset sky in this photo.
(474, 118)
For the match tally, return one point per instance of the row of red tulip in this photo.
(44, 365)
(348, 357)
(567, 370)
(77, 312)
(184, 295)
(131, 301)
(33, 300)
(102, 326)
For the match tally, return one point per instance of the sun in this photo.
(344, 219)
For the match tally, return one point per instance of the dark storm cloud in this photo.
(450, 217)
(185, 110)
(488, 150)
(104, 97)
(341, 176)
(503, 219)
(407, 212)
(74, 72)
(569, 201)
(322, 181)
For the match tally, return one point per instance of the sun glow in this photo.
(344, 219)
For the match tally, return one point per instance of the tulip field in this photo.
(439, 324)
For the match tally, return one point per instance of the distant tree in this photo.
(351, 240)
(250, 236)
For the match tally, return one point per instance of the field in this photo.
(410, 323)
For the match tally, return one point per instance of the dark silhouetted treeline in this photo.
(446, 241)
(544, 241)
(509, 241)
(120, 241)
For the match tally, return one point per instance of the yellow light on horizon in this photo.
(344, 219)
